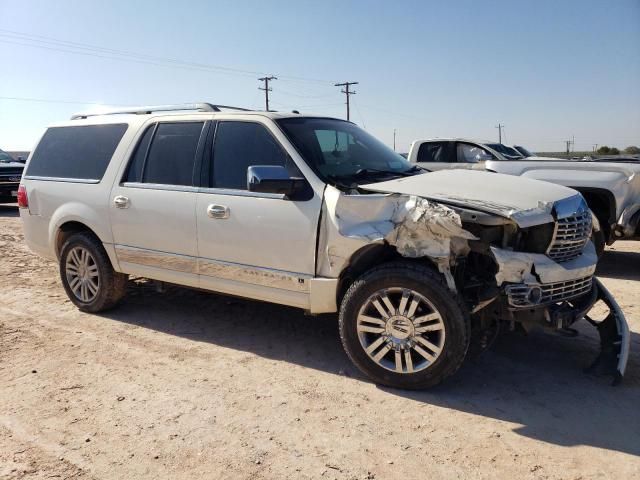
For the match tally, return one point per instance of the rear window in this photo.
(81, 152)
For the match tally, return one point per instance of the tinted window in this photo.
(468, 153)
(172, 154)
(239, 145)
(134, 172)
(81, 152)
(433, 152)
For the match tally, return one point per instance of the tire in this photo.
(440, 319)
(599, 242)
(88, 278)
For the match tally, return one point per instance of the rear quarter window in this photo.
(81, 152)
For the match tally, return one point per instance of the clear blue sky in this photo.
(546, 69)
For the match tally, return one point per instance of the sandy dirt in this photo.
(189, 385)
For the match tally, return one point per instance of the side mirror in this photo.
(483, 157)
(274, 179)
(22, 160)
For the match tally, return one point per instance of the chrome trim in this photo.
(62, 179)
(155, 258)
(241, 193)
(518, 294)
(572, 229)
(160, 186)
(266, 277)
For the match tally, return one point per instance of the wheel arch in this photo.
(368, 257)
(603, 204)
(70, 227)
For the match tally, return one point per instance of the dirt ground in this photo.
(186, 385)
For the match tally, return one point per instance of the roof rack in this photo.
(145, 110)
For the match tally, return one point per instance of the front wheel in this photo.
(403, 327)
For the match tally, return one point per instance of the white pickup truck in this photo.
(611, 186)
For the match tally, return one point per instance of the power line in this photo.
(78, 48)
(266, 89)
(347, 92)
(70, 102)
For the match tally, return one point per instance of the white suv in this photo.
(314, 213)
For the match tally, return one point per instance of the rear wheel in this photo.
(403, 327)
(87, 275)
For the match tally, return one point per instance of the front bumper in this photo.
(561, 315)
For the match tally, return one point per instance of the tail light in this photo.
(23, 200)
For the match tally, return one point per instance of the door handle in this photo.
(121, 201)
(218, 211)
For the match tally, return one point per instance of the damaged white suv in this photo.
(314, 213)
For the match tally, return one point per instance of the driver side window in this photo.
(468, 153)
(239, 145)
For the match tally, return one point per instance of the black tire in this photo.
(111, 285)
(599, 242)
(431, 285)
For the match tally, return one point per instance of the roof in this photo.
(456, 139)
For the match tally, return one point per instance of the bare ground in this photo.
(193, 385)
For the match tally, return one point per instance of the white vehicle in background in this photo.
(611, 186)
(314, 213)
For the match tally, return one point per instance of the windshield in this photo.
(508, 152)
(340, 150)
(524, 151)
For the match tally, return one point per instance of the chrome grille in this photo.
(571, 235)
(519, 295)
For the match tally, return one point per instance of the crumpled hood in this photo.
(528, 202)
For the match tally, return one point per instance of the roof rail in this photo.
(145, 110)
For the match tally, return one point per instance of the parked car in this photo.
(10, 175)
(314, 213)
(611, 186)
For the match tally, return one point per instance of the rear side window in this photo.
(134, 173)
(166, 154)
(239, 145)
(433, 152)
(81, 152)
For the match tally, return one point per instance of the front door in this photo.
(153, 207)
(261, 244)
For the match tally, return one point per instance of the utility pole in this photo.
(266, 89)
(499, 127)
(568, 142)
(595, 147)
(347, 92)
(394, 139)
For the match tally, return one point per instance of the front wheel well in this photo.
(367, 258)
(603, 205)
(66, 230)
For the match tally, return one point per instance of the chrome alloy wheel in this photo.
(82, 274)
(401, 330)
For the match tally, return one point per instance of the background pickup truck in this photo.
(611, 186)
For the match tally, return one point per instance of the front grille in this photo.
(525, 296)
(571, 235)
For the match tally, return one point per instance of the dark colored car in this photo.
(10, 175)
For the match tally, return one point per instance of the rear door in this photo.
(437, 155)
(152, 208)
